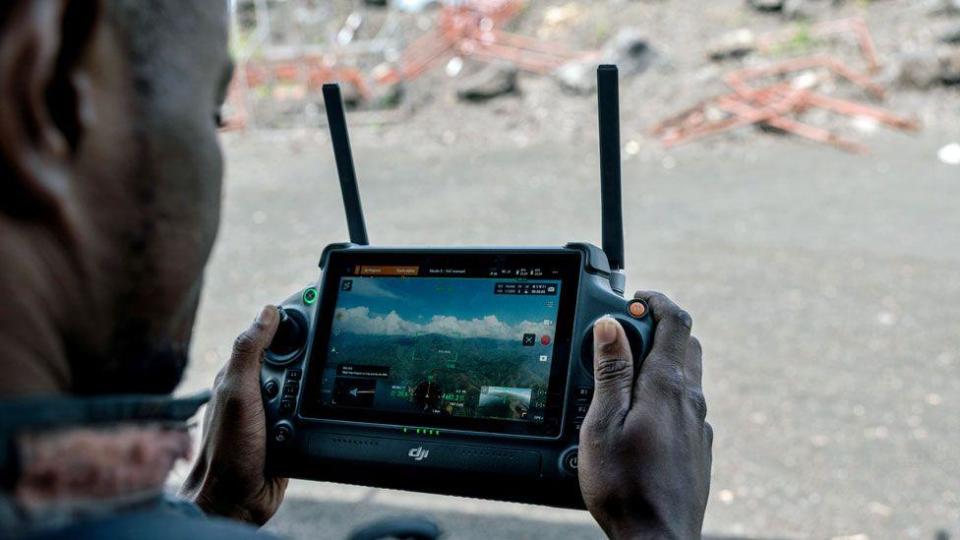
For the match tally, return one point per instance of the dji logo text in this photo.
(418, 453)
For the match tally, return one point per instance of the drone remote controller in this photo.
(460, 371)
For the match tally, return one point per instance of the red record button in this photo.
(544, 339)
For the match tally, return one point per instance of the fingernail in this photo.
(266, 314)
(605, 331)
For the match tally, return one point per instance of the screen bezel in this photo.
(568, 262)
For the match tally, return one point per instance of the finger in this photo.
(699, 403)
(249, 346)
(612, 367)
(670, 338)
(693, 375)
(693, 364)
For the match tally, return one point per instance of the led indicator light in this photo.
(309, 296)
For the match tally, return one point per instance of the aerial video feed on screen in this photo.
(446, 346)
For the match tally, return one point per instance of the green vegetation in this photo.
(458, 366)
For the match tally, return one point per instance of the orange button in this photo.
(637, 309)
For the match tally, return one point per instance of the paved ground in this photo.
(825, 288)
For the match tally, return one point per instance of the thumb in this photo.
(612, 367)
(249, 346)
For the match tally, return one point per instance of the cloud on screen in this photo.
(359, 320)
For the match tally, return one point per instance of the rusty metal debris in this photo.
(462, 28)
(776, 94)
(853, 27)
(473, 28)
(305, 72)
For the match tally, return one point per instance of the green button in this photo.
(310, 296)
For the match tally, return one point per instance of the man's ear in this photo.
(45, 99)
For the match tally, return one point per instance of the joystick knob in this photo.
(637, 346)
(290, 337)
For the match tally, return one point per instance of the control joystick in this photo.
(290, 337)
(634, 337)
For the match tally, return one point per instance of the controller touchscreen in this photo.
(448, 346)
(455, 343)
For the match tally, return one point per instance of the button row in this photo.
(291, 388)
(582, 396)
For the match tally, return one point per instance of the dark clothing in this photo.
(159, 523)
(37, 512)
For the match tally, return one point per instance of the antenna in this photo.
(608, 99)
(337, 121)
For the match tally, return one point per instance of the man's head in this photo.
(110, 178)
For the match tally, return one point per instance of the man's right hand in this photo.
(645, 447)
(228, 477)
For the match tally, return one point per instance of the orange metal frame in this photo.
(773, 104)
(472, 29)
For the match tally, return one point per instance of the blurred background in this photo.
(791, 177)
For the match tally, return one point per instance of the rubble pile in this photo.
(521, 67)
(922, 64)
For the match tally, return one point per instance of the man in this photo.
(109, 206)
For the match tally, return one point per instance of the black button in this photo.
(581, 409)
(584, 392)
(271, 389)
(570, 461)
(282, 433)
(293, 374)
(286, 406)
(291, 388)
